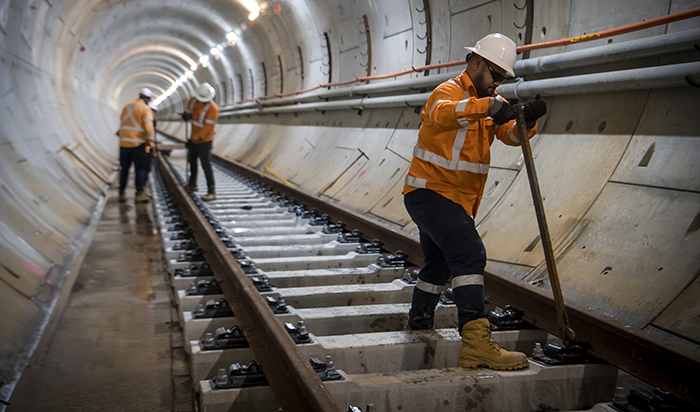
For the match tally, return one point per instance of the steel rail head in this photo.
(294, 382)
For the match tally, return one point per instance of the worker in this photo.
(135, 134)
(444, 186)
(151, 150)
(203, 113)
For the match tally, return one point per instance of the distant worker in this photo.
(135, 134)
(151, 149)
(203, 113)
(443, 189)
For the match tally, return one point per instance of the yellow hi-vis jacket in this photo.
(136, 124)
(453, 151)
(204, 117)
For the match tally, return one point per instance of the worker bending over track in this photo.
(443, 189)
(203, 113)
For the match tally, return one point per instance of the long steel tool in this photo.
(567, 334)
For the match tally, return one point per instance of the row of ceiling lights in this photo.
(215, 51)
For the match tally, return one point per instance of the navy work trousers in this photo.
(203, 152)
(140, 159)
(452, 248)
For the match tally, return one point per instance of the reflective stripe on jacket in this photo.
(453, 151)
(136, 124)
(204, 117)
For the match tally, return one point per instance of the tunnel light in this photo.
(232, 36)
(204, 60)
(193, 67)
(253, 8)
(214, 51)
(183, 78)
(179, 82)
(220, 47)
(188, 74)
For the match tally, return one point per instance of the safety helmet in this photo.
(153, 106)
(497, 49)
(146, 92)
(204, 92)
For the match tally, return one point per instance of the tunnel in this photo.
(327, 95)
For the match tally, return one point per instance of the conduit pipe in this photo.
(656, 46)
(412, 100)
(361, 90)
(623, 80)
(663, 45)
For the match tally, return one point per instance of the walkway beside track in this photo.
(113, 347)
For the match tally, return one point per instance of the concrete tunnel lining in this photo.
(607, 210)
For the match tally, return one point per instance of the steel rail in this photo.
(295, 384)
(661, 363)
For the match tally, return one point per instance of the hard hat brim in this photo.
(473, 50)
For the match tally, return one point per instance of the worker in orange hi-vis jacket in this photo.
(443, 189)
(135, 134)
(203, 113)
(151, 150)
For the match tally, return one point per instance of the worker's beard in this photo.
(482, 88)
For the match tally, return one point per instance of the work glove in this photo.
(186, 116)
(532, 111)
(501, 112)
(189, 143)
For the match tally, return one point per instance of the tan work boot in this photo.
(209, 197)
(141, 198)
(479, 349)
(147, 191)
(190, 188)
(122, 197)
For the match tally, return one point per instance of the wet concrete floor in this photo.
(114, 347)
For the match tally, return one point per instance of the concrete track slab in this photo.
(450, 389)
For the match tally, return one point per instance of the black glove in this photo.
(186, 116)
(189, 143)
(532, 111)
(501, 112)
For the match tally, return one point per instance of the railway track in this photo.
(274, 296)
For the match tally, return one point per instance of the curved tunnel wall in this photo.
(619, 171)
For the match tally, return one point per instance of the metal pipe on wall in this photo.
(666, 44)
(656, 46)
(622, 80)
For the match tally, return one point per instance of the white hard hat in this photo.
(146, 92)
(498, 49)
(204, 92)
(153, 106)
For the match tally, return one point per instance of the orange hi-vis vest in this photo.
(136, 124)
(204, 117)
(453, 152)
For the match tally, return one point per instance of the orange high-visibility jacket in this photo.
(136, 124)
(453, 152)
(204, 117)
